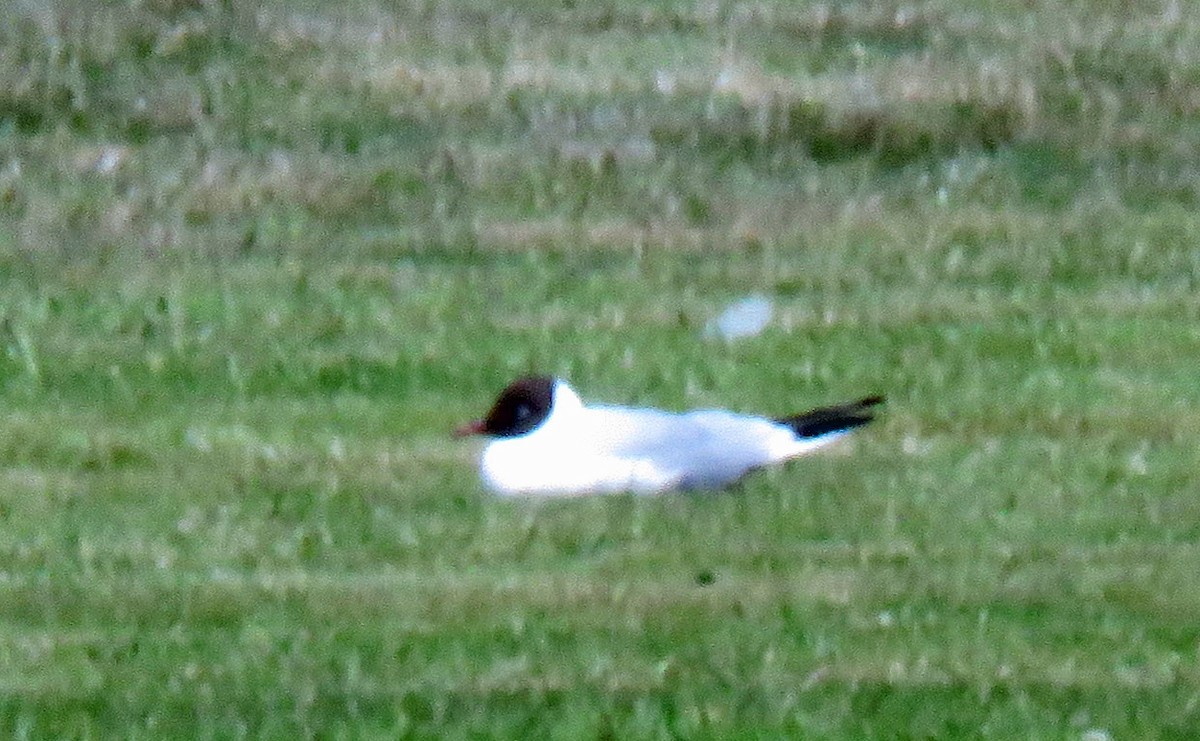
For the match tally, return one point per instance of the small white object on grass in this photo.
(744, 318)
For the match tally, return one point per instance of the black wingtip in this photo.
(827, 420)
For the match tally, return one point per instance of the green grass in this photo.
(257, 262)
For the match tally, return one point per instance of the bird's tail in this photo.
(828, 420)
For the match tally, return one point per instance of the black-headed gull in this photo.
(547, 442)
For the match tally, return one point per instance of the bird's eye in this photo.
(523, 412)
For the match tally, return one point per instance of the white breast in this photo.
(517, 467)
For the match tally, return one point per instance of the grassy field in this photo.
(257, 260)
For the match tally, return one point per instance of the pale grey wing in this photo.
(735, 444)
(701, 449)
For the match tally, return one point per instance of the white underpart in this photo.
(605, 449)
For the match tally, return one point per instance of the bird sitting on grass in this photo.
(546, 441)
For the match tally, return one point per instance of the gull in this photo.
(546, 442)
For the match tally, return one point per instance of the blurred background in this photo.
(258, 259)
